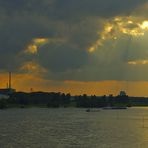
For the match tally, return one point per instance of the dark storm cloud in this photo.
(76, 21)
(71, 8)
(16, 32)
(62, 57)
(111, 63)
(105, 8)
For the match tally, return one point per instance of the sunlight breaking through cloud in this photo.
(114, 28)
(33, 68)
(33, 47)
(138, 62)
(144, 25)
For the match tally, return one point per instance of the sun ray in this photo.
(117, 26)
(32, 48)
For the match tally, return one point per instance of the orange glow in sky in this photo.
(26, 82)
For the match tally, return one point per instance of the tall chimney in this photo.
(9, 80)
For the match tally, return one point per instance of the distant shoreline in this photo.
(57, 100)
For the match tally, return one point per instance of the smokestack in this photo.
(9, 80)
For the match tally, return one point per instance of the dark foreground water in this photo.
(73, 128)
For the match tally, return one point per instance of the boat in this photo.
(119, 107)
(92, 110)
(88, 110)
(114, 107)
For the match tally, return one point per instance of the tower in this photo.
(9, 84)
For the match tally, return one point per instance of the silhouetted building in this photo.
(7, 91)
(122, 93)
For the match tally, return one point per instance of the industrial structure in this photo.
(9, 90)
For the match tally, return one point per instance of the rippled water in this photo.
(73, 128)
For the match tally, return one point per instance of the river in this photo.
(73, 128)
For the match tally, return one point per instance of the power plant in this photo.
(9, 90)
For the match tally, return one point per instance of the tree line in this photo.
(55, 100)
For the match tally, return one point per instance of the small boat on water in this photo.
(88, 110)
(119, 107)
(114, 107)
(92, 110)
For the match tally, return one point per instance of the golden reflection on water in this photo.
(74, 128)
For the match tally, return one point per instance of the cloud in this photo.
(71, 28)
(104, 8)
(61, 57)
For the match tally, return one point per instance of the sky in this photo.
(75, 46)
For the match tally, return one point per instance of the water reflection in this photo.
(73, 128)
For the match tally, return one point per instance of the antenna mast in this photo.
(9, 80)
